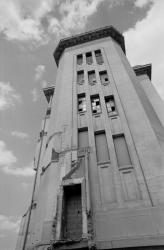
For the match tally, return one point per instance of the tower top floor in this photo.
(108, 31)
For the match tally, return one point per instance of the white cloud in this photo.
(8, 96)
(9, 223)
(7, 161)
(35, 94)
(26, 20)
(21, 19)
(18, 171)
(19, 134)
(7, 157)
(39, 71)
(142, 3)
(26, 185)
(144, 43)
(74, 16)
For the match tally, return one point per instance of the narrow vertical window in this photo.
(102, 151)
(121, 149)
(83, 138)
(110, 105)
(91, 77)
(80, 77)
(82, 103)
(79, 59)
(89, 59)
(104, 77)
(99, 58)
(95, 103)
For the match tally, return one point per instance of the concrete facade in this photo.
(101, 144)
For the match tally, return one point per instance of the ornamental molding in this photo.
(108, 31)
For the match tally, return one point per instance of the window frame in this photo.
(101, 73)
(89, 59)
(99, 56)
(83, 95)
(111, 113)
(90, 72)
(77, 59)
(93, 97)
(77, 80)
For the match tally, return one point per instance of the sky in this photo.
(29, 33)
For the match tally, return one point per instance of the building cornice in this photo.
(143, 70)
(108, 31)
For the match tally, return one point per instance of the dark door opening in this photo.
(72, 212)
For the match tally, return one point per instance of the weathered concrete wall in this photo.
(120, 218)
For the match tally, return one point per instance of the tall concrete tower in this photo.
(100, 155)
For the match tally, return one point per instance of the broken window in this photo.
(80, 77)
(95, 102)
(82, 107)
(72, 212)
(91, 77)
(104, 77)
(79, 59)
(110, 105)
(99, 58)
(89, 59)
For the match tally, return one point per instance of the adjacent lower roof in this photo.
(49, 91)
(143, 70)
(87, 37)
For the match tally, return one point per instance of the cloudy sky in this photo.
(29, 32)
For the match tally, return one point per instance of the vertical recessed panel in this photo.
(121, 149)
(106, 185)
(101, 147)
(83, 139)
(130, 187)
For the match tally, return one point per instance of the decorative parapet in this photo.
(108, 31)
(143, 69)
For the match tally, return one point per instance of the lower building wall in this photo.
(135, 227)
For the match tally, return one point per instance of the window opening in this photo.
(91, 77)
(95, 103)
(89, 59)
(80, 77)
(82, 107)
(79, 59)
(99, 58)
(104, 77)
(110, 105)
